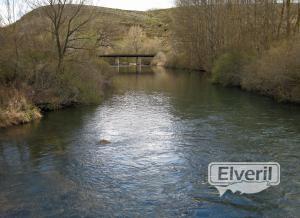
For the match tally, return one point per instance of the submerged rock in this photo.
(104, 142)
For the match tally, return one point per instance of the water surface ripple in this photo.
(165, 128)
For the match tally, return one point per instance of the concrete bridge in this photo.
(138, 59)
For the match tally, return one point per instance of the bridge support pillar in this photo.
(138, 62)
(118, 63)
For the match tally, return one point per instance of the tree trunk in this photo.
(297, 25)
(280, 19)
(288, 17)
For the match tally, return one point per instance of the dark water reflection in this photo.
(165, 128)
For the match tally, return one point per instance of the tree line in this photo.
(204, 29)
(236, 41)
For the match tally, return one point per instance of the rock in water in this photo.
(104, 142)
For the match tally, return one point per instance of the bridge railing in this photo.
(128, 56)
(137, 56)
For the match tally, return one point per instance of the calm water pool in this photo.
(165, 128)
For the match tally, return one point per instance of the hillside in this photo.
(154, 22)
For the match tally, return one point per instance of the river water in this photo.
(165, 128)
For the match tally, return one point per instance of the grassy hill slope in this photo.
(154, 22)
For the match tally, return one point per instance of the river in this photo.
(165, 128)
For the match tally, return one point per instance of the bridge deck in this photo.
(127, 56)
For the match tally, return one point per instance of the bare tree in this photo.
(288, 17)
(105, 34)
(205, 29)
(10, 11)
(9, 16)
(1, 20)
(135, 38)
(280, 18)
(297, 24)
(68, 20)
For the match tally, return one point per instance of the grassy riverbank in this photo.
(32, 91)
(40, 70)
(15, 108)
(274, 73)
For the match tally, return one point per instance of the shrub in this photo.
(15, 108)
(159, 60)
(84, 82)
(227, 69)
(276, 73)
(177, 60)
(151, 46)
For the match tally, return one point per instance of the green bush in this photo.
(84, 82)
(227, 69)
(35, 67)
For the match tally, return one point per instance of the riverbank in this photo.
(23, 103)
(15, 108)
(274, 73)
(49, 70)
(26, 103)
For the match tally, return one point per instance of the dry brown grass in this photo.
(15, 108)
(276, 73)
